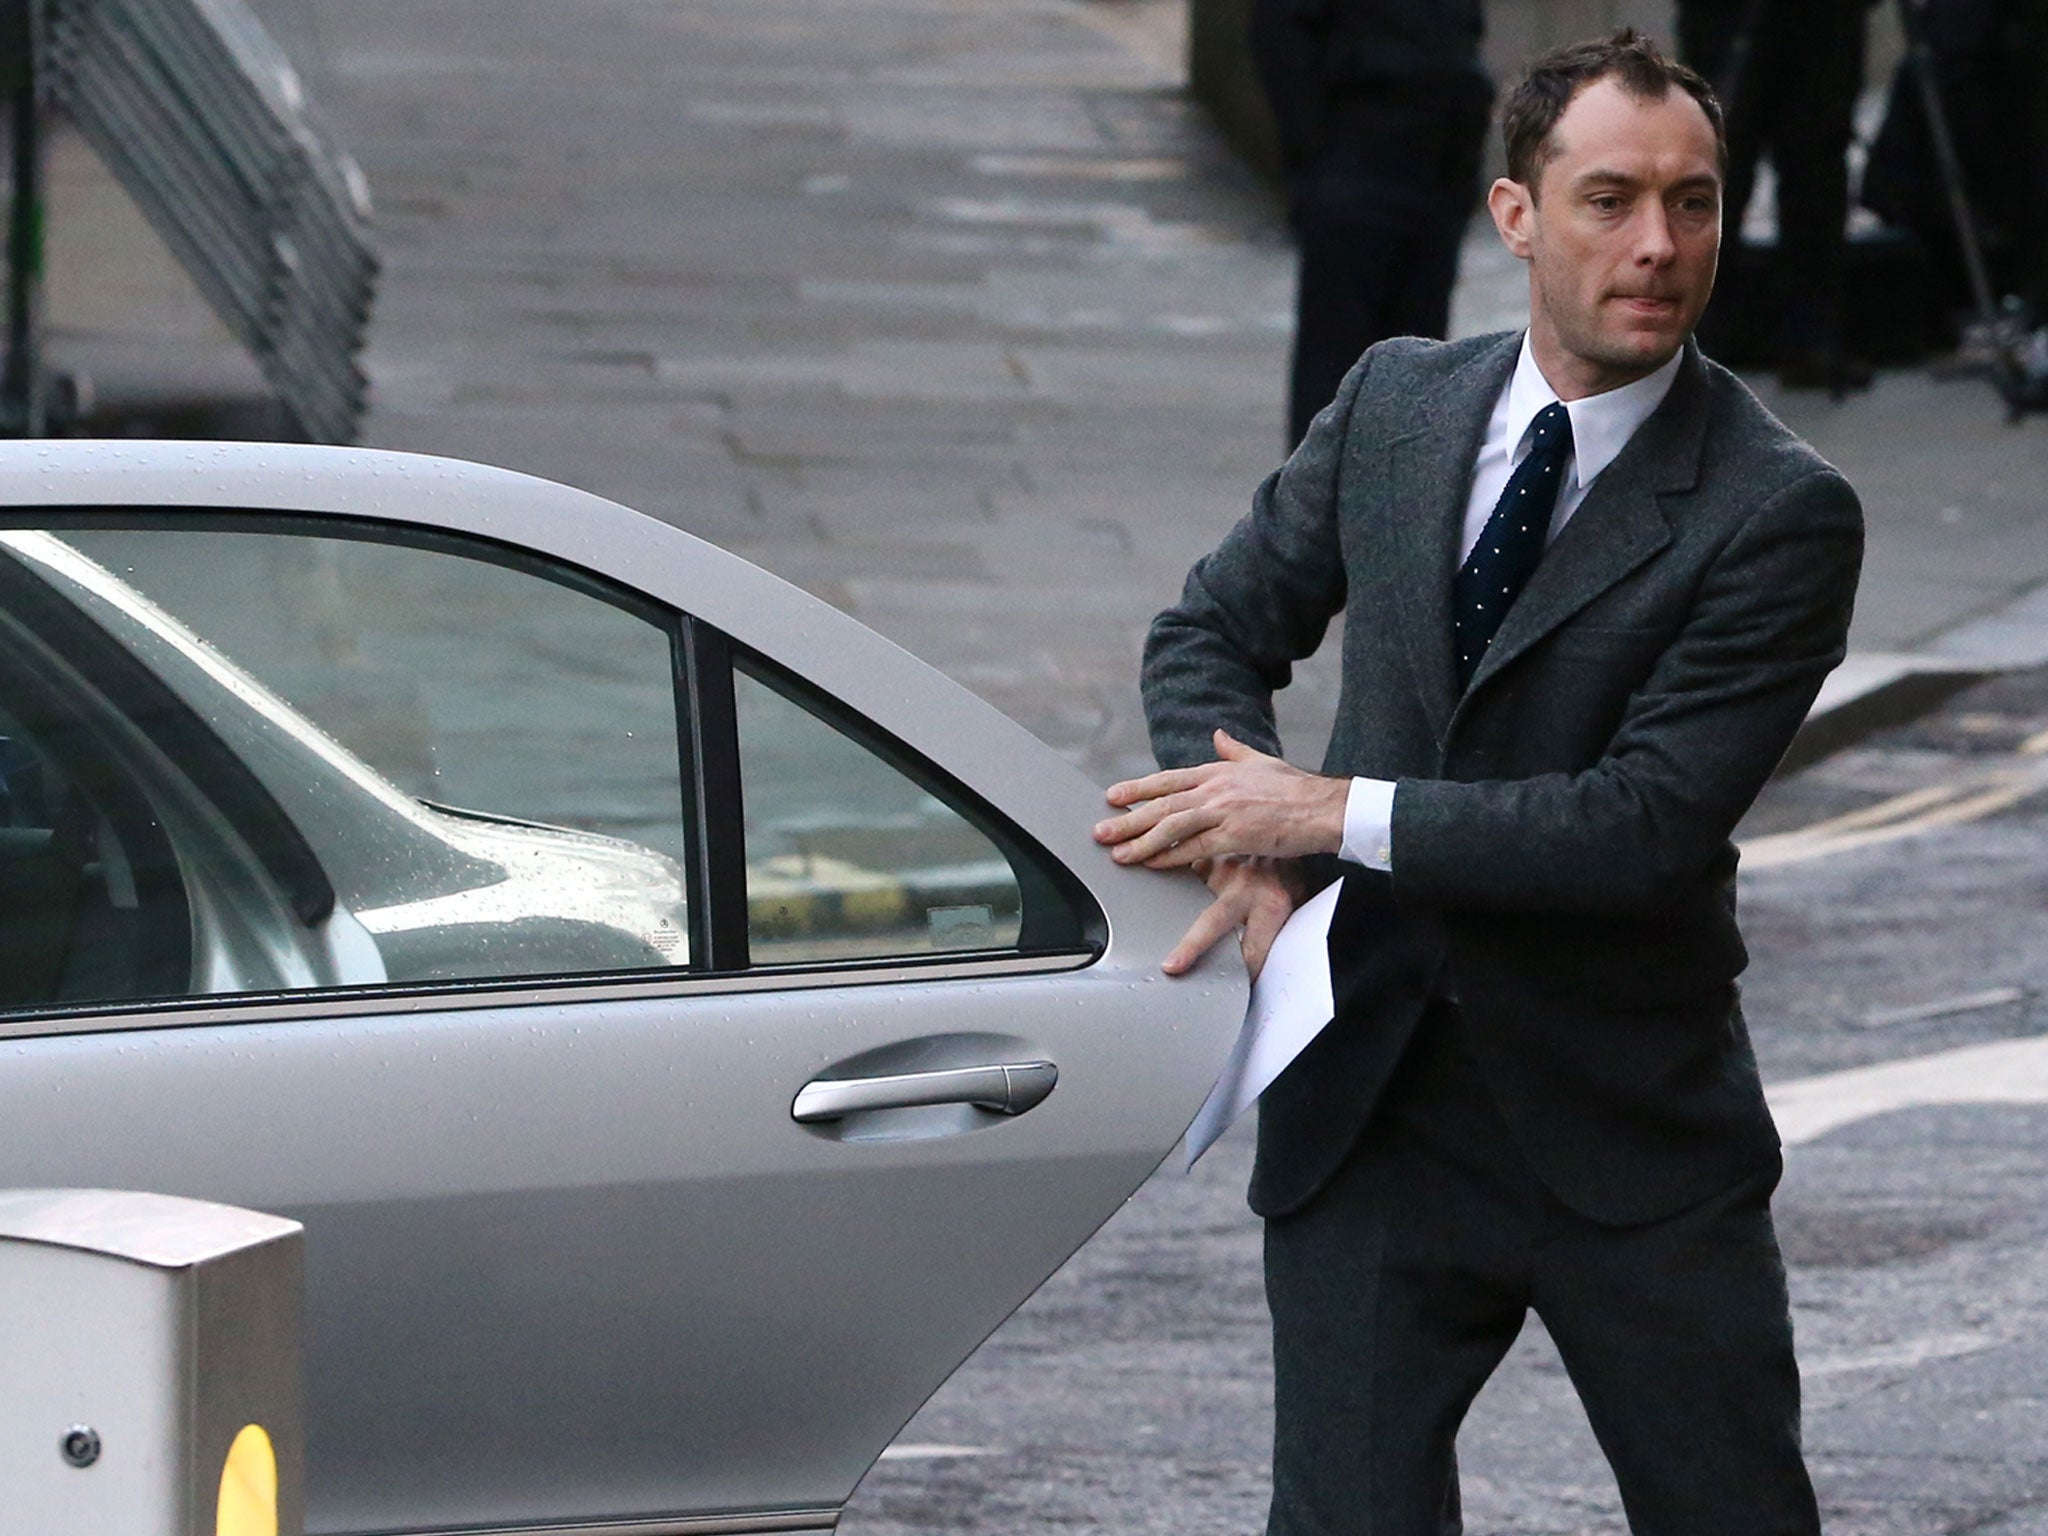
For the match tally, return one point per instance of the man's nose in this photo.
(1654, 245)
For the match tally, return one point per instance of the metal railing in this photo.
(204, 121)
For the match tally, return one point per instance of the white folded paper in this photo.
(1291, 1003)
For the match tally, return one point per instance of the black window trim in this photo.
(365, 528)
(716, 881)
(1050, 891)
(968, 967)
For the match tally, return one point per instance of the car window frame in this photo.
(1042, 879)
(702, 661)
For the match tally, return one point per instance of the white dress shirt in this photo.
(1601, 427)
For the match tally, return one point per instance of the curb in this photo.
(1872, 690)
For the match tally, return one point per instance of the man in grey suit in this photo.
(1590, 587)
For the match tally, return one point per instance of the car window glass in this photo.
(285, 760)
(91, 905)
(848, 856)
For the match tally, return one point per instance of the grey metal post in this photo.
(149, 1367)
(24, 403)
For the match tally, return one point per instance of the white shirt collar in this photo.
(1601, 424)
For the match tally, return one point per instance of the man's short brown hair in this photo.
(1539, 98)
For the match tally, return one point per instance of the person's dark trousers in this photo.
(1397, 1290)
(1378, 212)
(1793, 95)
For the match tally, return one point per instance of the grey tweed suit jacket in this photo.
(1562, 858)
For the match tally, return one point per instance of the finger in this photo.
(1231, 750)
(1154, 786)
(1217, 919)
(1261, 928)
(1187, 853)
(1176, 837)
(1135, 822)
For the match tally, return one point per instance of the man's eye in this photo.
(1607, 202)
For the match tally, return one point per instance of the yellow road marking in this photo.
(1916, 811)
(1898, 808)
(2000, 1072)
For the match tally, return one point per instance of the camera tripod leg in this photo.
(2003, 330)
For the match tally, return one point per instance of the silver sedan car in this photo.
(685, 1023)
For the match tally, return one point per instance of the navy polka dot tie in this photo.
(1511, 543)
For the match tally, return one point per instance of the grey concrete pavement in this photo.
(955, 312)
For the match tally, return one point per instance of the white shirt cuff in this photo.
(1369, 824)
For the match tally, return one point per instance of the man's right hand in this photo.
(1254, 897)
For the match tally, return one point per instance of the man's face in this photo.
(1621, 233)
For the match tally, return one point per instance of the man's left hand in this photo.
(1245, 803)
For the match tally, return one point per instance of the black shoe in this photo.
(1836, 372)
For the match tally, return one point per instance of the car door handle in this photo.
(1007, 1088)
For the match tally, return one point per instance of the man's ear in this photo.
(1513, 207)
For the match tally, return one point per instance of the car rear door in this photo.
(667, 1120)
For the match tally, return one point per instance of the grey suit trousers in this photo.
(1397, 1290)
